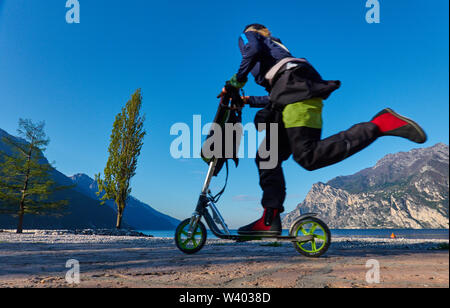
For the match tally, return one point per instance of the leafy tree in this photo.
(25, 180)
(124, 149)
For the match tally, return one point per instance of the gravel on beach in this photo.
(38, 259)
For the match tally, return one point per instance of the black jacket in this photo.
(298, 84)
(260, 54)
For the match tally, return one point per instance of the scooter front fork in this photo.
(197, 215)
(195, 218)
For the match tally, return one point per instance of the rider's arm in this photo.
(250, 47)
(258, 101)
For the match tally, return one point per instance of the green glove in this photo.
(237, 84)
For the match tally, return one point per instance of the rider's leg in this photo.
(313, 153)
(274, 190)
(303, 125)
(272, 180)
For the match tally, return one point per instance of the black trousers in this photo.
(310, 152)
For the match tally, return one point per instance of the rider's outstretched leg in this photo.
(313, 153)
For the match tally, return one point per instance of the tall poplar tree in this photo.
(26, 185)
(125, 147)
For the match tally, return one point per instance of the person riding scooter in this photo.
(296, 93)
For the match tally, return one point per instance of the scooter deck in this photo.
(247, 238)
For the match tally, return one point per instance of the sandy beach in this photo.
(38, 259)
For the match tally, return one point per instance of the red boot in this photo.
(392, 124)
(268, 224)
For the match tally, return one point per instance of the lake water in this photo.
(366, 233)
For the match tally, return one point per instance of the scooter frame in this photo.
(215, 220)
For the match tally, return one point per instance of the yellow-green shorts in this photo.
(307, 113)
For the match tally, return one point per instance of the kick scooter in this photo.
(309, 235)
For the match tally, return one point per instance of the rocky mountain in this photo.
(84, 209)
(403, 190)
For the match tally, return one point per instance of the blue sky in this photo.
(76, 77)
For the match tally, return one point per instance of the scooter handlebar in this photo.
(231, 98)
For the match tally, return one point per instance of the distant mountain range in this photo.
(403, 190)
(84, 209)
(137, 214)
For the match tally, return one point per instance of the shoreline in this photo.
(144, 234)
(107, 235)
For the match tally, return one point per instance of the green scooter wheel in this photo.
(321, 237)
(190, 244)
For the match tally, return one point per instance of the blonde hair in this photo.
(264, 31)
